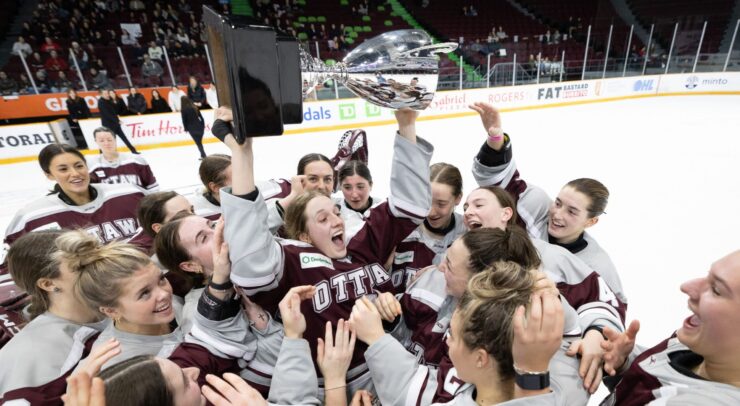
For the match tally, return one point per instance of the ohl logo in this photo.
(643, 85)
(692, 82)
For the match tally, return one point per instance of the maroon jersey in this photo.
(128, 168)
(111, 215)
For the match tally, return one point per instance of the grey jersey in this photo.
(354, 220)
(44, 350)
(424, 384)
(465, 398)
(294, 381)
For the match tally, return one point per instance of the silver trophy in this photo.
(396, 69)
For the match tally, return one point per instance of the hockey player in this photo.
(428, 243)
(112, 166)
(60, 323)
(154, 211)
(700, 363)
(496, 356)
(356, 184)
(564, 221)
(106, 211)
(342, 268)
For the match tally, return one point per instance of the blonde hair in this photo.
(487, 308)
(101, 267)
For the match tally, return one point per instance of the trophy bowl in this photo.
(397, 69)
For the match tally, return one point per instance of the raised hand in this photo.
(388, 306)
(231, 391)
(334, 354)
(99, 356)
(365, 321)
(82, 390)
(406, 119)
(537, 337)
(618, 347)
(220, 253)
(592, 357)
(491, 119)
(290, 310)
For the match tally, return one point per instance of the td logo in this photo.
(347, 111)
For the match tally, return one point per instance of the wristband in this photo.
(214, 309)
(221, 129)
(221, 286)
(495, 134)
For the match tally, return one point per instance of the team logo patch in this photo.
(315, 261)
(100, 174)
(403, 257)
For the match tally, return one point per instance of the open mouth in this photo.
(164, 308)
(338, 239)
(556, 225)
(474, 224)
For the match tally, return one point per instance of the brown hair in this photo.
(171, 254)
(595, 191)
(447, 174)
(355, 167)
(488, 245)
(486, 311)
(49, 152)
(30, 259)
(136, 381)
(212, 169)
(295, 215)
(152, 210)
(102, 268)
(505, 200)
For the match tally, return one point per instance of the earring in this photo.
(56, 289)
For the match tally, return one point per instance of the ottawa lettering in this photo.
(348, 285)
(26, 140)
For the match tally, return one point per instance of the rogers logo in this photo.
(60, 103)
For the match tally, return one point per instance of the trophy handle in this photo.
(441, 48)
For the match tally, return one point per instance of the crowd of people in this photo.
(63, 43)
(313, 290)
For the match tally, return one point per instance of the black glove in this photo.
(221, 129)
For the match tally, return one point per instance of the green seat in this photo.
(388, 23)
(366, 29)
(348, 29)
(344, 2)
(349, 40)
(353, 34)
(381, 8)
(302, 19)
(296, 24)
(321, 19)
(358, 28)
(302, 36)
(312, 19)
(366, 18)
(330, 62)
(394, 14)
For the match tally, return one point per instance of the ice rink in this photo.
(672, 165)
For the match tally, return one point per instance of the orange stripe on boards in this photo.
(5, 161)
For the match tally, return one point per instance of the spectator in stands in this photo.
(24, 85)
(501, 34)
(332, 44)
(109, 118)
(118, 103)
(99, 80)
(548, 37)
(183, 6)
(54, 63)
(50, 45)
(155, 51)
(173, 98)
(136, 5)
(182, 36)
(8, 85)
(63, 83)
(80, 54)
(334, 31)
(362, 9)
(43, 84)
(150, 68)
(179, 51)
(196, 93)
(342, 44)
(193, 123)
(28, 32)
(196, 50)
(212, 96)
(158, 104)
(21, 46)
(136, 102)
(36, 63)
(77, 108)
(556, 37)
(472, 12)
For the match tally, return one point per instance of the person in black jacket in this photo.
(136, 102)
(121, 107)
(78, 110)
(196, 93)
(109, 118)
(159, 105)
(193, 122)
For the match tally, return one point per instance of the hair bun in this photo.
(79, 249)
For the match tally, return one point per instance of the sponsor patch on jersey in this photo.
(100, 174)
(309, 260)
(403, 257)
